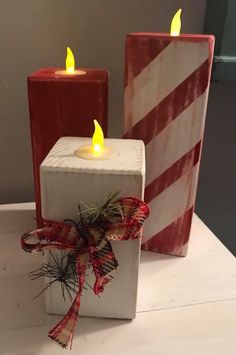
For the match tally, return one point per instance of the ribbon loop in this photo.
(91, 246)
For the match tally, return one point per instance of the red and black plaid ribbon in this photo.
(93, 248)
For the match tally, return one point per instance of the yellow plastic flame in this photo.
(98, 138)
(175, 26)
(70, 61)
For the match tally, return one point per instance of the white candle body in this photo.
(66, 181)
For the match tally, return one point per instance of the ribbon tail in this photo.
(63, 332)
(103, 263)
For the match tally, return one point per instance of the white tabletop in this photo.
(186, 306)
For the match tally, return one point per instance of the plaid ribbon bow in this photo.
(92, 247)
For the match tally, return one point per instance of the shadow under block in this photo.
(66, 181)
(165, 99)
(63, 105)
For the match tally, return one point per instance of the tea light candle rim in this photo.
(86, 152)
(77, 72)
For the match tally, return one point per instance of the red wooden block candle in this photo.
(166, 92)
(62, 104)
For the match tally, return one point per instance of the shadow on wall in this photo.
(217, 191)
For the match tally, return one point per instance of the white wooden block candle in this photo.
(66, 181)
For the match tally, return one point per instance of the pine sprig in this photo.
(62, 267)
(96, 215)
(62, 270)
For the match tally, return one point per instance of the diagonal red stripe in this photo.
(172, 239)
(172, 105)
(139, 52)
(173, 173)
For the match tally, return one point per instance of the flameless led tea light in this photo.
(70, 65)
(97, 150)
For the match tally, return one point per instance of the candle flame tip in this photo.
(176, 24)
(98, 138)
(70, 61)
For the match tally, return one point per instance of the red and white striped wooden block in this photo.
(166, 91)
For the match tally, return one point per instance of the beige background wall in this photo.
(34, 33)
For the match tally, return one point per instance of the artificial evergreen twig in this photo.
(63, 268)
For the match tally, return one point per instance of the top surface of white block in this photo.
(129, 160)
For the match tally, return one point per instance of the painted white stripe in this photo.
(171, 204)
(178, 138)
(171, 67)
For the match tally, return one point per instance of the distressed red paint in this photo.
(144, 52)
(172, 239)
(63, 105)
(178, 169)
(171, 106)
